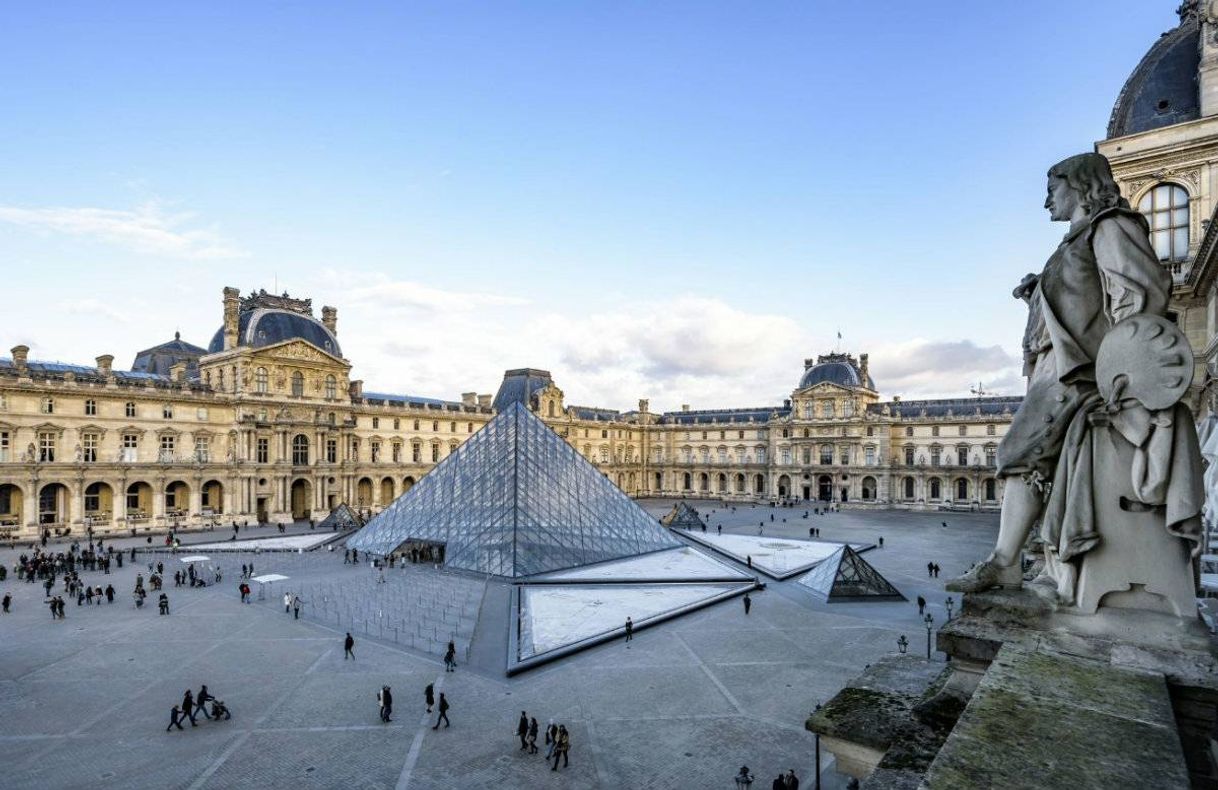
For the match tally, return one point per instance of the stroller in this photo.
(218, 709)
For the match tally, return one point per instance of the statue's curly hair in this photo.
(1090, 176)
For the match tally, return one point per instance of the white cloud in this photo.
(929, 368)
(90, 308)
(146, 229)
(364, 290)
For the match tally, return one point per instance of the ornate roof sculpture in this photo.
(841, 369)
(342, 517)
(265, 319)
(1163, 89)
(683, 517)
(845, 576)
(516, 500)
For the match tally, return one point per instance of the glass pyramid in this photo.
(342, 517)
(683, 517)
(514, 500)
(845, 576)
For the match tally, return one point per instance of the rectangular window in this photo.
(130, 409)
(375, 448)
(3, 402)
(88, 447)
(416, 425)
(131, 445)
(826, 455)
(4, 447)
(869, 456)
(133, 500)
(201, 414)
(807, 455)
(167, 411)
(331, 451)
(435, 453)
(909, 430)
(934, 456)
(90, 408)
(202, 449)
(376, 422)
(452, 427)
(761, 455)
(168, 442)
(786, 455)
(843, 455)
(962, 456)
(963, 430)
(934, 431)
(397, 423)
(416, 452)
(991, 455)
(435, 426)
(262, 450)
(909, 456)
(397, 452)
(46, 447)
(989, 430)
(92, 500)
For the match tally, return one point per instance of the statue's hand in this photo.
(1026, 286)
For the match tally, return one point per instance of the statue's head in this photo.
(1081, 182)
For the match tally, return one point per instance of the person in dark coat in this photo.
(429, 694)
(188, 708)
(522, 730)
(175, 719)
(629, 630)
(921, 605)
(779, 783)
(532, 739)
(748, 603)
(201, 699)
(563, 747)
(443, 717)
(386, 700)
(348, 644)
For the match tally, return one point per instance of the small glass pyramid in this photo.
(683, 517)
(342, 517)
(515, 500)
(845, 576)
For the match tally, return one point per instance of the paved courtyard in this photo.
(84, 701)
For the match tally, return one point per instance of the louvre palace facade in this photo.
(265, 424)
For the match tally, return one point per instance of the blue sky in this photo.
(675, 200)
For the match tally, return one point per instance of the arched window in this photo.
(550, 409)
(260, 381)
(935, 492)
(991, 490)
(1166, 209)
(331, 388)
(298, 384)
(909, 488)
(300, 450)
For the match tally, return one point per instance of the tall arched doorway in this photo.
(363, 493)
(386, 491)
(177, 499)
(784, 486)
(962, 489)
(868, 489)
(12, 505)
(824, 488)
(407, 484)
(99, 503)
(53, 504)
(139, 502)
(211, 502)
(302, 498)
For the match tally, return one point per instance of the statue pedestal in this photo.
(1137, 564)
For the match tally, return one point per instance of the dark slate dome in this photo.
(1163, 88)
(265, 326)
(841, 369)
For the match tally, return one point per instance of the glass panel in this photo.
(1158, 220)
(1144, 204)
(1179, 217)
(1162, 196)
(1162, 245)
(1178, 197)
(1180, 243)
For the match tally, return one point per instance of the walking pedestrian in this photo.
(429, 695)
(296, 608)
(110, 592)
(921, 605)
(792, 780)
(450, 658)
(629, 630)
(748, 604)
(443, 708)
(5, 602)
(930, 570)
(348, 644)
(562, 748)
(385, 698)
(522, 730)
(551, 739)
(201, 699)
(174, 719)
(749, 560)
(287, 602)
(532, 737)
(936, 570)
(779, 783)
(881, 541)
(188, 708)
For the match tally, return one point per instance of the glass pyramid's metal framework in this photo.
(683, 517)
(845, 576)
(342, 517)
(515, 500)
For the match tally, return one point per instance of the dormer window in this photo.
(1166, 209)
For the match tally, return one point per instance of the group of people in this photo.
(932, 570)
(193, 705)
(787, 781)
(558, 739)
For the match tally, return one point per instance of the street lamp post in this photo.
(902, 644)
(930, 624)
(818, 755)
(950, 604)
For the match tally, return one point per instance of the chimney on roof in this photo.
(469, 398)
(329, 317)
(896, 398)
(863, 367)
(105, 364)
(21, 355)
(232, 309)
(643, 405)
(485, 401)
(356, 388)
(684, 407)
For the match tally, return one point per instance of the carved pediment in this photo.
(299, 351)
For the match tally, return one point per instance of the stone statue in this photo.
(1101, 454)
